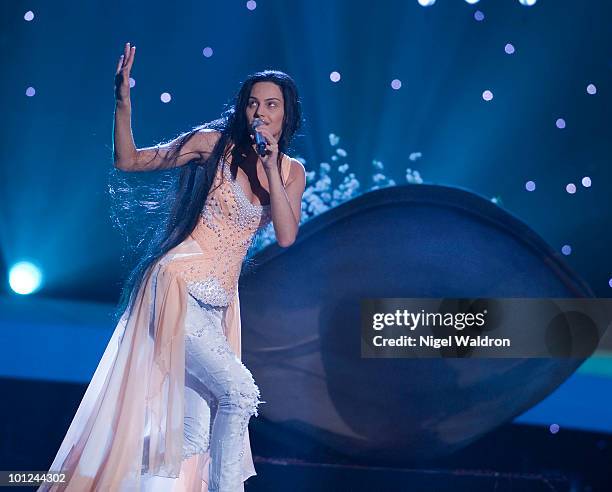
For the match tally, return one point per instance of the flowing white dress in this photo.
(146, 418)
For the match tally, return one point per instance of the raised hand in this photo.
(269, 160)
(122, 75)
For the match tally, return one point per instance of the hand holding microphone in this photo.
(265, 143)
(260, 141)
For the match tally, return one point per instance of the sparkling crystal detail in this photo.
(209, 291)
(228, 223)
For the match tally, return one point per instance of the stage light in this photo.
(472, 2)
(530, 185)
(571, 188)
(586, 182)
(528, 3)
(132, 82)
(396, 84)
(207, 52)
(165, 97)
(566, 249)
(560, 123)
(509, 48)
(426, 3)
(30, 91)
(24, 277)
(554, 428)
(479, 16)
(251, 5)
(487, 95)
(591, 89)
(334, 76)
(29, 15)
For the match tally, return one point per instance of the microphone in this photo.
(260, 140)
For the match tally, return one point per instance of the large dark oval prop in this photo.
(301, 326)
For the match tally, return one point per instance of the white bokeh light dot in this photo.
(487, 95)
(479, 16)
(472, 2)
(528, 3)
(509, 48)
(426, 3)
(396, 84)
(207, 52)
(251, 5)
(591, 89)
(610, 282)
(334, 76)
(30, 91)
(132, 82)
(29, 15)
(165, 97)
(571, 188)
(554, 428)
(560, 123)
(530, 185)
(566, 249)
(586, 182)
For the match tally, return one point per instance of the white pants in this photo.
(215, 374)
(220, 398)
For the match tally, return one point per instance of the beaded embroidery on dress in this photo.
(227, 225)
(131, 420)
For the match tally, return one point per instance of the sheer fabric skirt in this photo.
(220, 398)
(168, 405)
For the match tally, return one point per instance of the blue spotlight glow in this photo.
(426, 3)
(25, 277)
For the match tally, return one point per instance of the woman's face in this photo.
(266, 102)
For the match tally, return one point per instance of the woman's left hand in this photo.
(271, 148)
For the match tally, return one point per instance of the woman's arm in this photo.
(125, 154)
(124, 150)
(286, 203)
(200, 144)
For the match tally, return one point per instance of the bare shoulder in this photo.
(297, 171)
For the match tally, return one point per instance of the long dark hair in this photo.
(173, 204)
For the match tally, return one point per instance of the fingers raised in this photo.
(126, 60)
(130, 60)
(119, 65)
